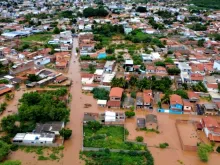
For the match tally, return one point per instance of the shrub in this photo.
(129, 114)
(94, 125)
(139, 139)
(203, 150)
(218, 149)
(133, 94)
(66, 133)
(163, 145)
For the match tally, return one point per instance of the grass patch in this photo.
(104, 157)
(150, 130)
(38, 38)
(42, 158)
(111, 137)
(53, 157)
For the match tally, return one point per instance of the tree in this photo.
(182, 93)
(199, 87)
(118, 82)
(203, 150)
(201, 43)
(11, 162)
(173, 71)
(94, 125)
(110, 50)
(90, 12)
(218, 149)
(169, 60)
(141, 9)
(4, 150)
(33, 78)
(133, 94)
(160, 63)
(8, 124)
(129, 114)
(65, 133)
(100, 94)
(56, 30)
(139, 138)
(73, 30)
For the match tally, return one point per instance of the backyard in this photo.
(111, 137)
(105, 157)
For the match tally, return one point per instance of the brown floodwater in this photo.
(171, 156)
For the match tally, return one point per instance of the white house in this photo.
(34, 139)
(216, 65)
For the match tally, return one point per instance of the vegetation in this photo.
(163, 145)
(66, 133)
(129, 114)
(11, 162)
(156, 25)
(199, 87)
(39, 37)
(3, 70)
(159, 63)
(33, 78)
(139, 138)
(164, 14)
(107, 30)
(4, 81)
(100, 94)
(133, 94)
(111, 137)
(137, 36)
(4, 150)
(181, 93)
(198, 27)
(212, 4)
(94, 125)
(173, 71)
(105, 157)
(34, 108)
(3, 107)
(218, 149)
(118, 82)
(203, 151)
(141, 9)
(91, 12)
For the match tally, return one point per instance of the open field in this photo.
(38, 38)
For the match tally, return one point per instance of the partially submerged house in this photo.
(115, 96)
(151, 122)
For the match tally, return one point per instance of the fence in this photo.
(39, 144)
(111, 150)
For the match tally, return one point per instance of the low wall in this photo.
(183, 146)
(38, 144)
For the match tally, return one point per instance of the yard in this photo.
(111, 137)
(121, 158)
(42, 37)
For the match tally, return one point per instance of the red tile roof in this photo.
(210, 122)
(176, 99)
(197, 77)
(192, 95)
(116, 92)
(214, 86)
(114, 103)
(147, 98)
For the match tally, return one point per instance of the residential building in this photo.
(151, 121)
(129, 65)
(115, 96)
(210, 109)
(139, 100)
(109, 66)
(49, 127)
(193, 97)
(128, 103)
(176, 103)
(21, 67)
(98, 75)
(211, 128)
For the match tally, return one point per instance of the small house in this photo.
(139, 100)
(193, 97)
(151, 121)
(128, 103)
(210, 109)
(141, 123)
(115, 96)
(109, 66)
(176, 103)
(102, 103)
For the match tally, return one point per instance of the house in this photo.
(129, 65)
(184, 67)
(212, 87)
(98, 75)
(115, 96)
(109, 66)
(150, 69)
(87, 78)
(193, 97)
(110, 117)
(211, 128)
(151, 121)
(196, 78)
(4, 89)
(139, 100)
(49, 127)
(141, 123)
(90, 117)
(148, 100)
(216, 65)
(107, 78)
(210, 109)
(102, 103)
(187, 106)
(176, 103)
(21, 67)
(42, 139)
(161, 70)
(128, 103)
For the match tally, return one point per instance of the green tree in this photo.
(139, 138)
(133, 94)
(100, 93)
(118, 82)
(94, 125)
(4, 150)
(182, 93)
(201, 43)
(159, 63)
(56, 30)
(203, 151)
(173, 71)
(169, 60)
(8, 124)
(141, 9)
(129, 114)
(33, 78)
(65, 133)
